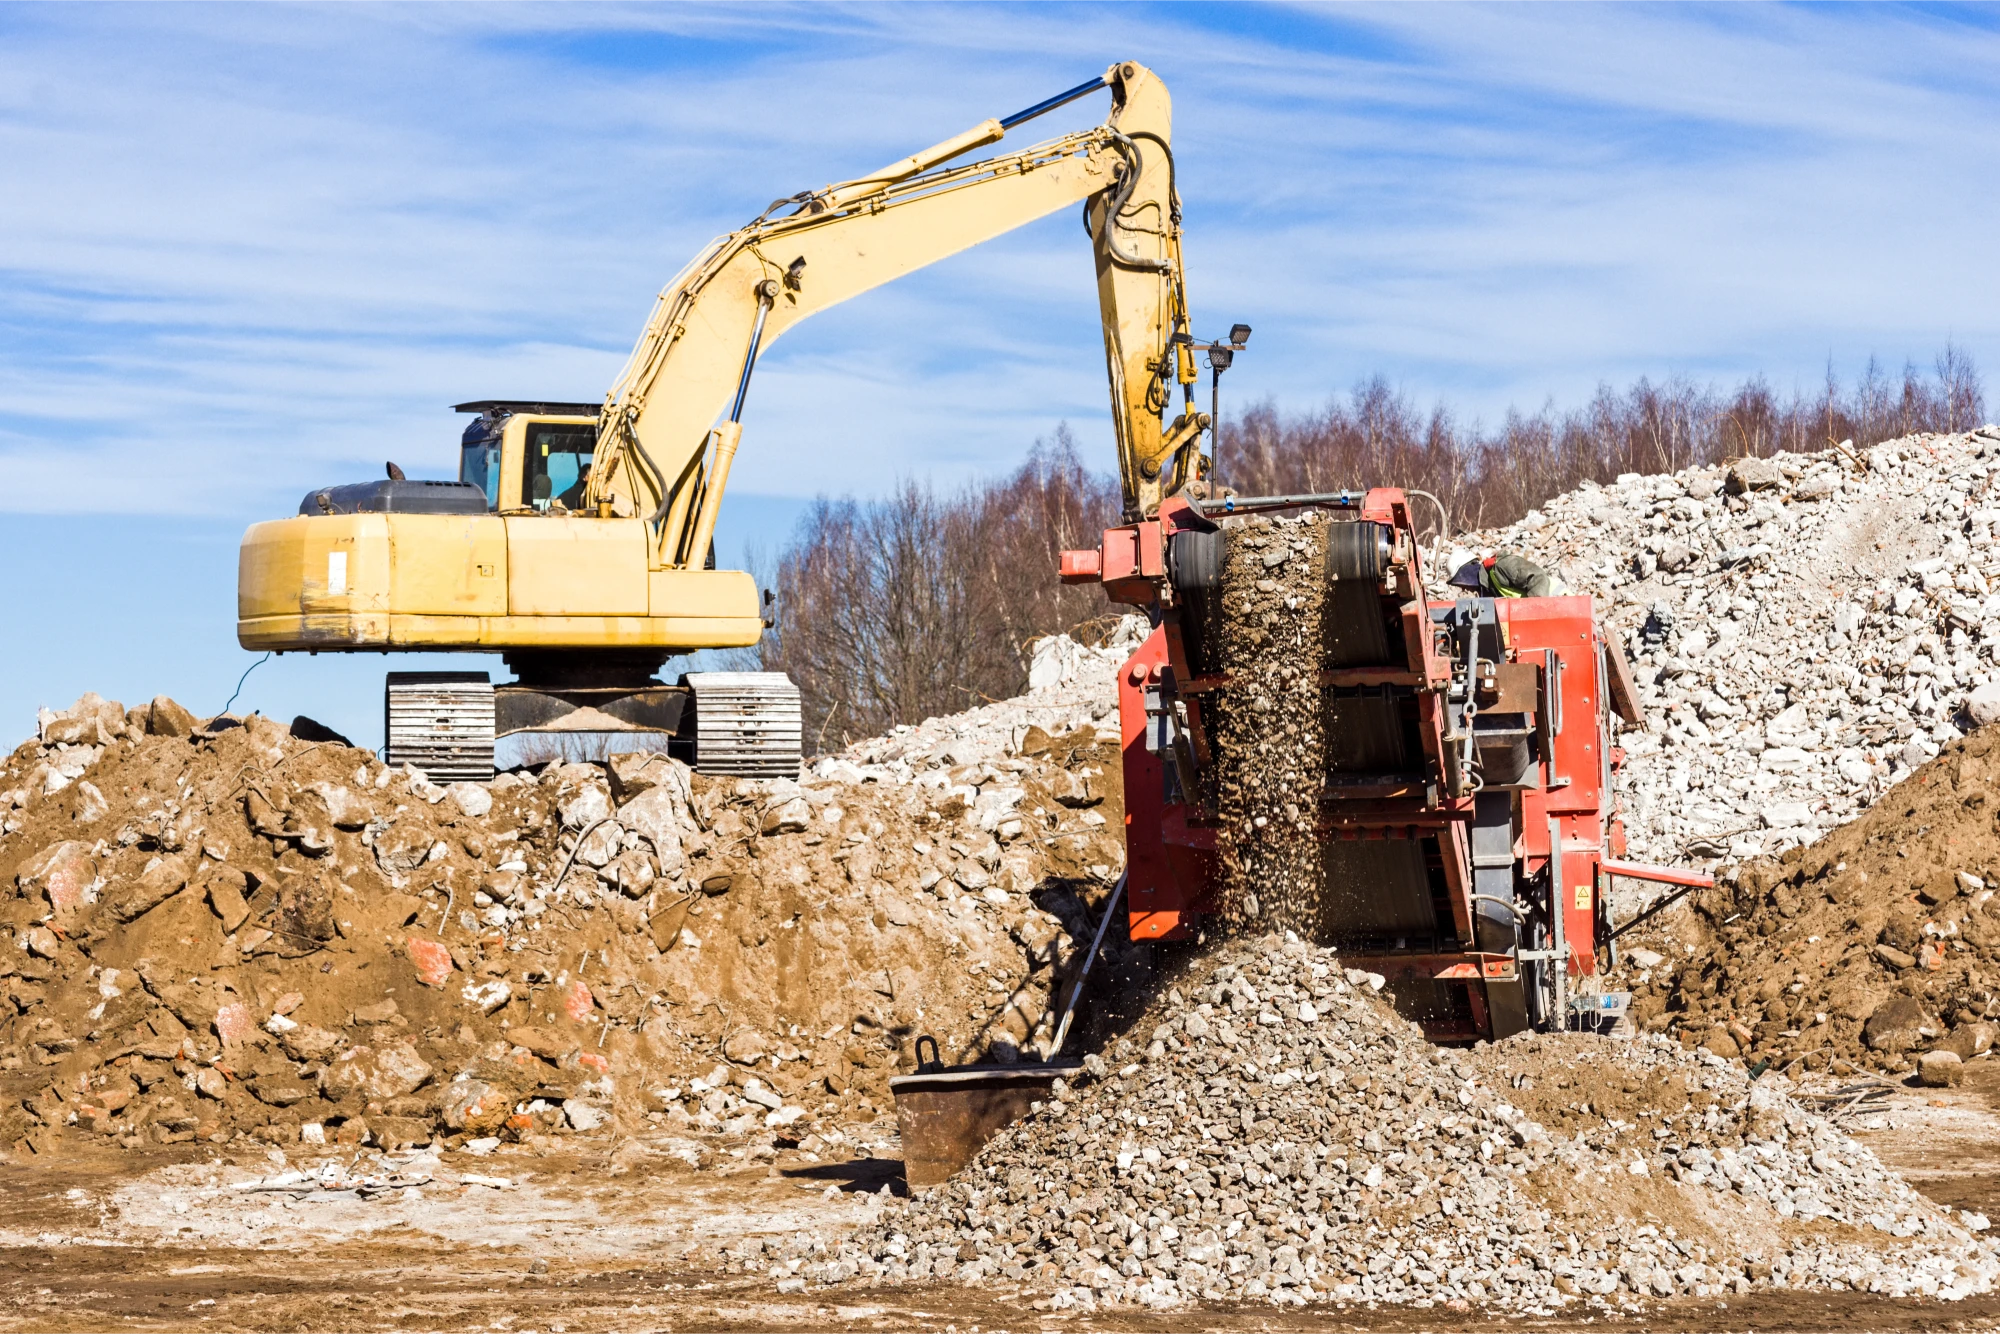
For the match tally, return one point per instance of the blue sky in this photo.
(249, 250)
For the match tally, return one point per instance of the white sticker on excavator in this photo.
(336, 572)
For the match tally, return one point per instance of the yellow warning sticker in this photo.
(1583, 898)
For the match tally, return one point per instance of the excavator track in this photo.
(746, 723)
(441, 722)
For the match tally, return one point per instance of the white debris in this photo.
(1804, 630)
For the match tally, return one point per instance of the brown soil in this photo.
(1876, 920)
(159, 910)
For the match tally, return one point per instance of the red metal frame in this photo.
(1171, 859)
(1170, 868)
(1582, 801)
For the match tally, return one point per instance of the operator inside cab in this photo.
(558, 465)
(1507, 574)
(557, 459)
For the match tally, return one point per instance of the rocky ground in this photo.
(1282, 1135)
(1509, 1166)
(296, 1039)
(160, 1239)
(221, 930)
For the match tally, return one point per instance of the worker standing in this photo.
(1508, 574)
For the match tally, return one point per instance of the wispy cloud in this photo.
(244, 249)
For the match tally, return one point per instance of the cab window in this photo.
(558, 465)
(479, 458)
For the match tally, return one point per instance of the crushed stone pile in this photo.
(1876, 947)
(1807, 629)
(1269, 738)
(1285, 1136)
(216, 929)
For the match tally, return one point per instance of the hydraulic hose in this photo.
(1115, 206)
(1508, 904)
(1173, 185)
(1444, 515)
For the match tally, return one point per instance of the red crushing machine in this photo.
(1467, 819)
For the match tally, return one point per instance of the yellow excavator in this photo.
(578, 540)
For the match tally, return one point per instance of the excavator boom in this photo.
(578, 539)
(664, 440)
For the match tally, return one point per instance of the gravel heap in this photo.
(1807, 629)
(1285, 1136)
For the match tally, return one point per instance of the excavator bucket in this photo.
(945, 1113)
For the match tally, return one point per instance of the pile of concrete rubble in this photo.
(1807, 628)
(223, 928)
(1071, 692)
(1283, 1135)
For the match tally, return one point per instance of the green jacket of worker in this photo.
(1507, 575)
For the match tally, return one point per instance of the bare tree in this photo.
(923, 603)
(1964, 398)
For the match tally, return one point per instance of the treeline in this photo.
(1487, 477)
(923, 602)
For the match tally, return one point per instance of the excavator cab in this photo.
(530, 456)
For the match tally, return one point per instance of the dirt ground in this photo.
(613, 1238)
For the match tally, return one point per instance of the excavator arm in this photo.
(670, 426)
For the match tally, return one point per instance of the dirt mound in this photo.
(1877, 943)
(1286, 1136)
(221, 929)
